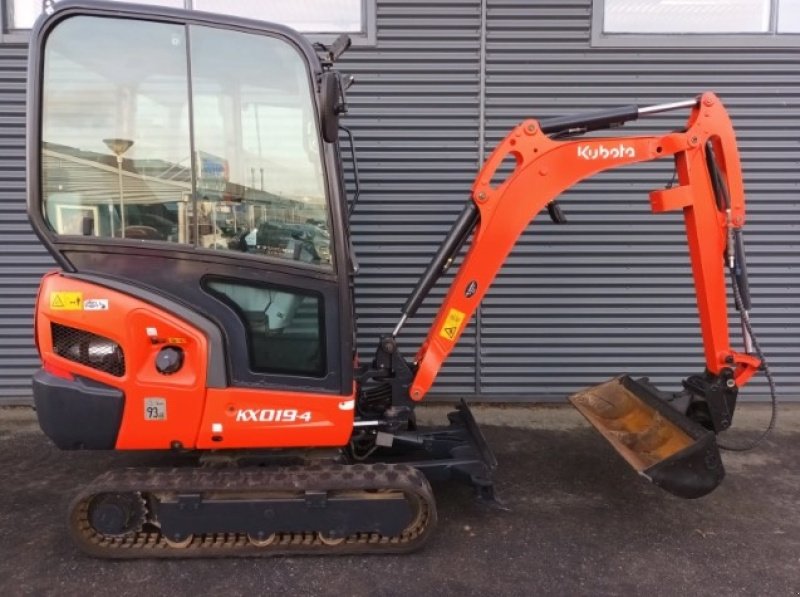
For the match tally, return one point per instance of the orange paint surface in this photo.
(190, 407)
(240, 417)
(546, 168)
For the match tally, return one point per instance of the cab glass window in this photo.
(260, 184)
(283, 326)
(118, 124)
(116, 159)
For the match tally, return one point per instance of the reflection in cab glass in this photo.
(117, 124)
(116, 159)
(260, 184)
(284, 328)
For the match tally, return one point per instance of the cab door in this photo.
(182, 155)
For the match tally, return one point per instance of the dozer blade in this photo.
(668, 448)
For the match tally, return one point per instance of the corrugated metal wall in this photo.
(612, 291)
(415, 113)
(22, 260)
(609, 292)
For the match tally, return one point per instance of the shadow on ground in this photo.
(580, 522)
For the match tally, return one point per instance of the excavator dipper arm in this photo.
(668, 438)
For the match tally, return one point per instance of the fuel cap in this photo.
(169, 360)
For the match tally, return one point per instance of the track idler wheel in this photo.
(117, 514)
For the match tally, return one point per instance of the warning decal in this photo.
(452, 324)
(66, 301)
(95, 304)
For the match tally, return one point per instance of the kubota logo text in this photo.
(271, 415)
(601, 152)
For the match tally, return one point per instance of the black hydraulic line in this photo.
(447, 251)
(354, 160)
(773, 395)
(591, 121)
(741, 299)
(723, 200)
(740, 270)
(720, 190)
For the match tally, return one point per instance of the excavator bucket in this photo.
(668, 448)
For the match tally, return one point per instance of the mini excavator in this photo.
(207, 311)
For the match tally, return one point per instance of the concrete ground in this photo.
(581, 522)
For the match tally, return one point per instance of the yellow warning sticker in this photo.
(66, 301)
(452, 324)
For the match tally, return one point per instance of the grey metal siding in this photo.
(22, 260)
(414, 112)
(609, 292)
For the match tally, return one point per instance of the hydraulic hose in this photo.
(750, 445)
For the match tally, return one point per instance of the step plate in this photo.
(668, 448)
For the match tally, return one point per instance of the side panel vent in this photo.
(88, 349)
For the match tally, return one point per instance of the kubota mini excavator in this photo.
(185, 172)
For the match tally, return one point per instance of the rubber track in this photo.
(149, 543)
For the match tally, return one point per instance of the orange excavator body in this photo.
(186, 330)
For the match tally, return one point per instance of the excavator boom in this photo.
(545, 168)
(646, 429)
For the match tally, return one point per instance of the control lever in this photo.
(555, 212)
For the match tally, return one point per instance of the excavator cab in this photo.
(187, 155)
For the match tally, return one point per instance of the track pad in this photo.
(668, 448)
